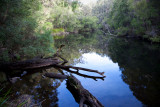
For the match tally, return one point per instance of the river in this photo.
(131, 66)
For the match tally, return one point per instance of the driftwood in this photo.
(42, 63)
(81, 95)
(29, 64)
(48, 62)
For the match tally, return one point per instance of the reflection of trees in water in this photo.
(139, 63)
(45, 88)
(40, 88)
(76, 45)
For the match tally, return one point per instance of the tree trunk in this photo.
(81, 95)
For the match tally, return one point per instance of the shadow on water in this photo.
(35, 86)
(140, 66)
(135, 61)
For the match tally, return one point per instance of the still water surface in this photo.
(132, 70)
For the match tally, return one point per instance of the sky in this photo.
(87, 1)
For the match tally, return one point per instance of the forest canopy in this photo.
(27, 26)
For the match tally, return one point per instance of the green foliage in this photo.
(25, 30)
(74, 5)
(4, 56)
(71, 18)
(129, 17)
(4, 97)
(137, 26)
(26, 26)
(59, 37)
(58, 30)
(101, 10)
(119, 15)
(89, 23)
(122, 31)
(155, 39)
(21, 105)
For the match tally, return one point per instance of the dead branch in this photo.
(83, 75)
(81, 95)
(78, 68)
(29, 64)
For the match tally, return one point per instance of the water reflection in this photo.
(131, 66)
(138, 66)
(40, 89)
(112, 89)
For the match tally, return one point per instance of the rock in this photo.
(24, 73)
(14, 79)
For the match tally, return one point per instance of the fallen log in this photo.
(81, 95)
(50, 62)
(37, 63)
(29, 64)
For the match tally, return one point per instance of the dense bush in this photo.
(26, 26)
(130, 17)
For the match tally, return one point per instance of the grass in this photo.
(4, 97)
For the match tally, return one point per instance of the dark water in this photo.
(132, 68)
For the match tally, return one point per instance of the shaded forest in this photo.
(33, 32)
(132, 18)
(27, 27)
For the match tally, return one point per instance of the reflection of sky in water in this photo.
(112, 92)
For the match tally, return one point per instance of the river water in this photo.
(132, 69)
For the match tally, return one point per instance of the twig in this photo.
(79, 68)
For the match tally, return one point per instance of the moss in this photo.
(57, 30)
(59, 37)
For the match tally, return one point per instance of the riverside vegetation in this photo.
(136, 18)
(34, 30)
(26, 27)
